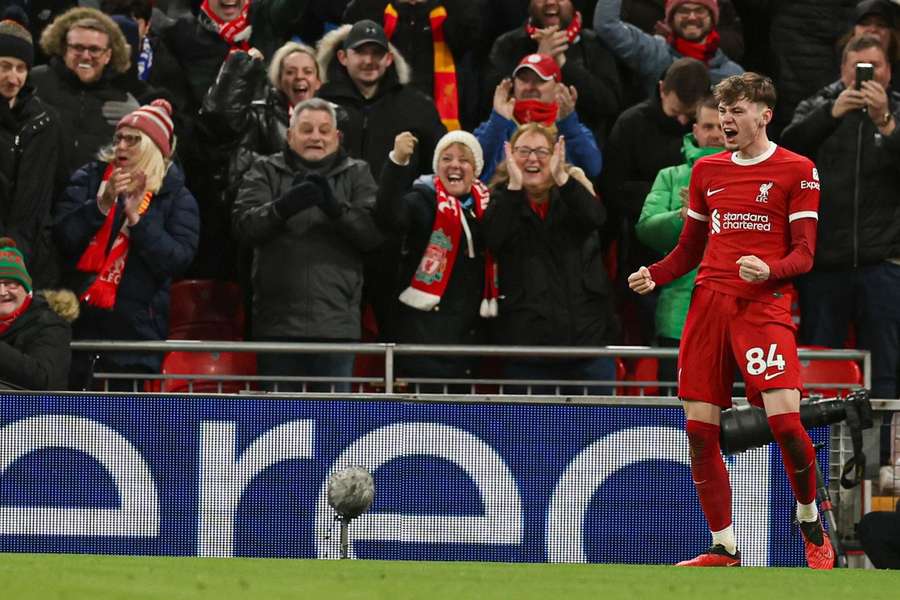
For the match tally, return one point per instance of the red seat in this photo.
(206, 363)
(206, 309)
(828, 371)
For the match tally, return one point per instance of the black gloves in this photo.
(301, 196)
(328, 203)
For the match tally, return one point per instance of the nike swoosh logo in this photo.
(710, 192)
(769, 376)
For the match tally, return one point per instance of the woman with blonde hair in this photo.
(127, 225)
(543, 225)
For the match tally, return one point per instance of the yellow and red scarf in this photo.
(446, 91)
(109, 266)
(431, 278)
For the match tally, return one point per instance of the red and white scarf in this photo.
(7, 321)
(236, 33)
(109, 266)
(573, 31)
(431, 278)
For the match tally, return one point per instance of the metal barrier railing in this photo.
(391, 384)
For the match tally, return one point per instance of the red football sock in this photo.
(709, 474)
(797, 453)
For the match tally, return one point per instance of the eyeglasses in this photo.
(130, 139)
(524, 152)
(94, 51)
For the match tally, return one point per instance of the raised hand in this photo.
(504, 103)
(641, 282)
(566, 97)
(515, 173)
(135, 197)
(552, 42)
(404, 147)
(848, 100)
(558, 163)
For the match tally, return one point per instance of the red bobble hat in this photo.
(712, 5)
(155, 121)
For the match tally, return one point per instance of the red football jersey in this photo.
(749, 205)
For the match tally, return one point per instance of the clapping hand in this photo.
(558, 163)
(515, 173)
(504, 103)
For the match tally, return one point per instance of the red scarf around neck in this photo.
(535, 111)
(235, 33)
(431, 278)
(573, 31)
(703, 51)
(110, 266)
(7, 321)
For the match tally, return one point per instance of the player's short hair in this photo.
(688, 78)
(708, 101)
(861, 42)
(749, 86)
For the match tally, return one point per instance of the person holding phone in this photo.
(850, 129)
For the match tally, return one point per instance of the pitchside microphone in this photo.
(350, 493)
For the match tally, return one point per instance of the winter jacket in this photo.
(409, 209)
(589, 66)
(80, 106)
(581, 146)
(553, 285)
(30, 170)
(659, 227)
(253, 126)
(646, 54)
(34, 351)
(162, 246)
(413, 39)
(200, 51)
(850, 234)
(373, 123)
(308, 269)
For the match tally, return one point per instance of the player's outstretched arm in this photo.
(641, 281)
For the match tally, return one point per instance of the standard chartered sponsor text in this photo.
(746, 221)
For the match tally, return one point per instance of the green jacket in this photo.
(659, 227)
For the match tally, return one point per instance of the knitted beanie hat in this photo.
(712, 5)
(459, 137)
(15, 39)
(155, 121)
(12, 264)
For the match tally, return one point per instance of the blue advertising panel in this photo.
(166, 475)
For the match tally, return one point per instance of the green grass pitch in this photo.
(75, 577)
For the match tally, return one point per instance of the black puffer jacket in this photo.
(410, 210)
(34, 351)
(373, 123)
(80, 107)
(307, 270)
(590, 67)
(553, 286)
(30, 172)
(850, 235)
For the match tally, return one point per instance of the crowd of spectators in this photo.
(319, 154)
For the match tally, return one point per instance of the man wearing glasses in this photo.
(536, 94)
(84, 81)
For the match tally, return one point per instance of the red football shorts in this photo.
(723, 332)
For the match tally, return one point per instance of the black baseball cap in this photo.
(880, 8)
(365, 32)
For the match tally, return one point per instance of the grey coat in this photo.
(307, 270)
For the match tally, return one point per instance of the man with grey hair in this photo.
(308, 214)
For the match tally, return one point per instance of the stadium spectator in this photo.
(253, 126)
(543, 226)
(536, 93)
(308, 213)
(34, 328)
(853, 136)
(29, 153)
(442, 275)
(554, 28)
(423, 29)
(879, 533)
(879, 18)
(801, 50)
(646, 138)
(127, 226)
(750, 240)
(662, 219)
(694, 35)
(366, 75)
(85, 81)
